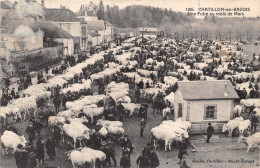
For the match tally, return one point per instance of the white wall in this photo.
(68, 45)
(224, 108)
(73, 28)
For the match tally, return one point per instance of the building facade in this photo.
(204, 101)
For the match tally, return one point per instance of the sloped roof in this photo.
(49, 29)
(6, 5)
(207, 90)
(93, 34)
(97, 25)
(60, 15)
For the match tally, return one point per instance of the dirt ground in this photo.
(220, 152)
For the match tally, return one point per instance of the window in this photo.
(210, 112)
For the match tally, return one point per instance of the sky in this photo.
(175, 5)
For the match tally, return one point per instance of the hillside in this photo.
(182, 26)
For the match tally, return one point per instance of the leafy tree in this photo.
(101, 11)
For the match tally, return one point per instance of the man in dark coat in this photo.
(126, 143)
(38, 126)
(56, 102)
(153, 158)
(40, 151)
(111, 152)
(137, 95)
(142, 126)
(120, 109)
(30, 130)
(141, 84)
(182, 150)
(50, 147)
(143, 161)
(210, 131)
(125, 161)
(254, 121)
(21, 156)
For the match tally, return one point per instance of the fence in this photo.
(201, 127)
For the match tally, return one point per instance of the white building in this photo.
(68, 21)
(148, 31)
(104, 28)
(204, 101)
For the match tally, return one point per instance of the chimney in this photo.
(42, 3)
(226, 92)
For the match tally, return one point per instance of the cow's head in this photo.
(23, 140)
(225, 128)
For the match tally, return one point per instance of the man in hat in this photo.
(30, 130)
(143, 161)
(50, 147)
(126, 143)
(120, 109)
(111, 152)
(125, 161)
(210, 131)
(182, 150)
(21, 156)
(40, 151)
(142, 126)
(153, 158)
(254, 120)
(141, 84)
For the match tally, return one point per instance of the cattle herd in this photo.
(93, 95)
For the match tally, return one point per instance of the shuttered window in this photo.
(210, 112)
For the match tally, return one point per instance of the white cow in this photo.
(11, 140)
(231, 125)
(250, 141)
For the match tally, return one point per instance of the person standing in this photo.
(56, 102)
(142, 126)
(126, 143)
(141, 84)
(40, 151)
(120, 109)
(153, 158)
(111, 152)
(254, 121)
(182, 150)
(30, 130)
(125, 160)
(143, 161)
(210, 131)
(21, 157)
(50, 147)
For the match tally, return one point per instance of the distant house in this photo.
(204, 101)
(68, 21)
(104, 28)
(94, 39)
(148, 31)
